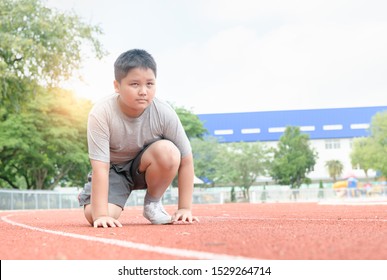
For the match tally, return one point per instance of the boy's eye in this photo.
(134, 84)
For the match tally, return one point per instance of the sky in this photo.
(223, 56)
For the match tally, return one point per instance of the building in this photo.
(331, 131)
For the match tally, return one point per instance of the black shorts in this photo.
(123, 178)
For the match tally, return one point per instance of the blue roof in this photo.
(269, 125)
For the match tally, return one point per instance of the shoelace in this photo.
(155, 207)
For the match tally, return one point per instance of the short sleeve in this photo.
(98, 138)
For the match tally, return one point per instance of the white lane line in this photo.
(225, 218)
(354, 203)
(132, 245)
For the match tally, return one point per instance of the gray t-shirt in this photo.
(116, 138)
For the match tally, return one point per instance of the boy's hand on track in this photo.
(185, 216)
(106, 222)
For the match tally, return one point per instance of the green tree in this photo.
(371, 152)
(335, 168)
(240, 164)
(379, 135)
(45, 142)
(42, 129)
(39, 46)
(193, 126)
(364, 153)
(206, 153)
(293, 159)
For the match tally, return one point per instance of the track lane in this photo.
(258, 231)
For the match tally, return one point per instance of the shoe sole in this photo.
(159, 222)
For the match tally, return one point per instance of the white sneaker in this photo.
(155, 213)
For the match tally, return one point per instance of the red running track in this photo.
(293, 231)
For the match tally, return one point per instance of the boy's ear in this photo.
(116, 86)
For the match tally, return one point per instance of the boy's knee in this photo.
(168, 155)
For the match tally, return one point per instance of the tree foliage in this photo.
(192, 124)
(42, 128)
(235, 164)
(293, 159)
(335, 168)
(46, 142)
(39, 46)
(364, 153)
(241, 164)
(207, 154)
(371, 152)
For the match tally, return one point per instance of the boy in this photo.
(136, 142)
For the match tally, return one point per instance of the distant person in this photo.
(352, 186)
(136, 141)
(367, 188)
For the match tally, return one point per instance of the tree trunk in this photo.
(60, 176)
(40, 176)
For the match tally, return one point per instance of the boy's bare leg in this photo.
(160, 163)
(114, 212)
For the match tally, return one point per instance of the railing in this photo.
(22, 200)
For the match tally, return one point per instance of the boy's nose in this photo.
(143, 91)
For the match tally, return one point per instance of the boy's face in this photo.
(136, 91)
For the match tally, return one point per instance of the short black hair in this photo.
(134, 58)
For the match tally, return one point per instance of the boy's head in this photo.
(131, 59)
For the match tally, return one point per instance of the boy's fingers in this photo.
(111, 224)
(107, 223)
(175, 218)
(184, 217)
(188, 218)
(118, 223)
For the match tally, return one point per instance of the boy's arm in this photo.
(185, 183)
(99, 195)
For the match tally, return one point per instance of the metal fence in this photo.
(21, 200)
